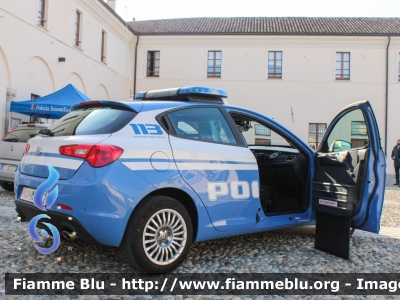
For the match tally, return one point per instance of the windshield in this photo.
(21, 134)
(92, 120)
(257, 134)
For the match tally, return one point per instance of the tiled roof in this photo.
(269, 25)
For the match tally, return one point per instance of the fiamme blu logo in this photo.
(44, 198)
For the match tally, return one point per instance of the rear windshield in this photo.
(92, 120)
(21, 134)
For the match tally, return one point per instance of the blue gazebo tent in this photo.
(52, 106)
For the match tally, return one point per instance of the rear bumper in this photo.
(60, 220)
(101, 199)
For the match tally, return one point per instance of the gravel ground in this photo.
(267, 252)
(391, 209)
(6, 198)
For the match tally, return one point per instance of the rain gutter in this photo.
(135, 70)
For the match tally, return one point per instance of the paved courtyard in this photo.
(282, 251)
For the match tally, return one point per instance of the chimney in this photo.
(112, 3)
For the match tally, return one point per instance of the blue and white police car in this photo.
(180, 165)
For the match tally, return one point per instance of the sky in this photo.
(169, 9)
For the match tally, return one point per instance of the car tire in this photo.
(158, 235)
(8, 186)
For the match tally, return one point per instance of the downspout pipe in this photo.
(135, 70)
(387, 94)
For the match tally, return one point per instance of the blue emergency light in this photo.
(182, 92)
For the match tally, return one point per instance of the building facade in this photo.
(45, 45)
(299, 71)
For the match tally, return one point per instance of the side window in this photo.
(153, 63)
(42, 13)
(259, 135)
(275, 64)
(350, 132)
(92, 120)
(78, 29)
(21, 134)
(315, 134)
(214, 64)
(206, 124)
(103, 46)
(34, 132)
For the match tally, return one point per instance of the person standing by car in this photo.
(396, 160)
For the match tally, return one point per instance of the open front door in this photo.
(349, 178)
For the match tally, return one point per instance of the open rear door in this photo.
(349, 179)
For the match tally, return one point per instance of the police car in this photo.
(180, 165)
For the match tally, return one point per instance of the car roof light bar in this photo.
(187, 91)
(140, 95)
(202, 90)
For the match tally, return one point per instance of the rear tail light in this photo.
(27, 147)
(98, 155)
(102, 155)
(89, 103)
